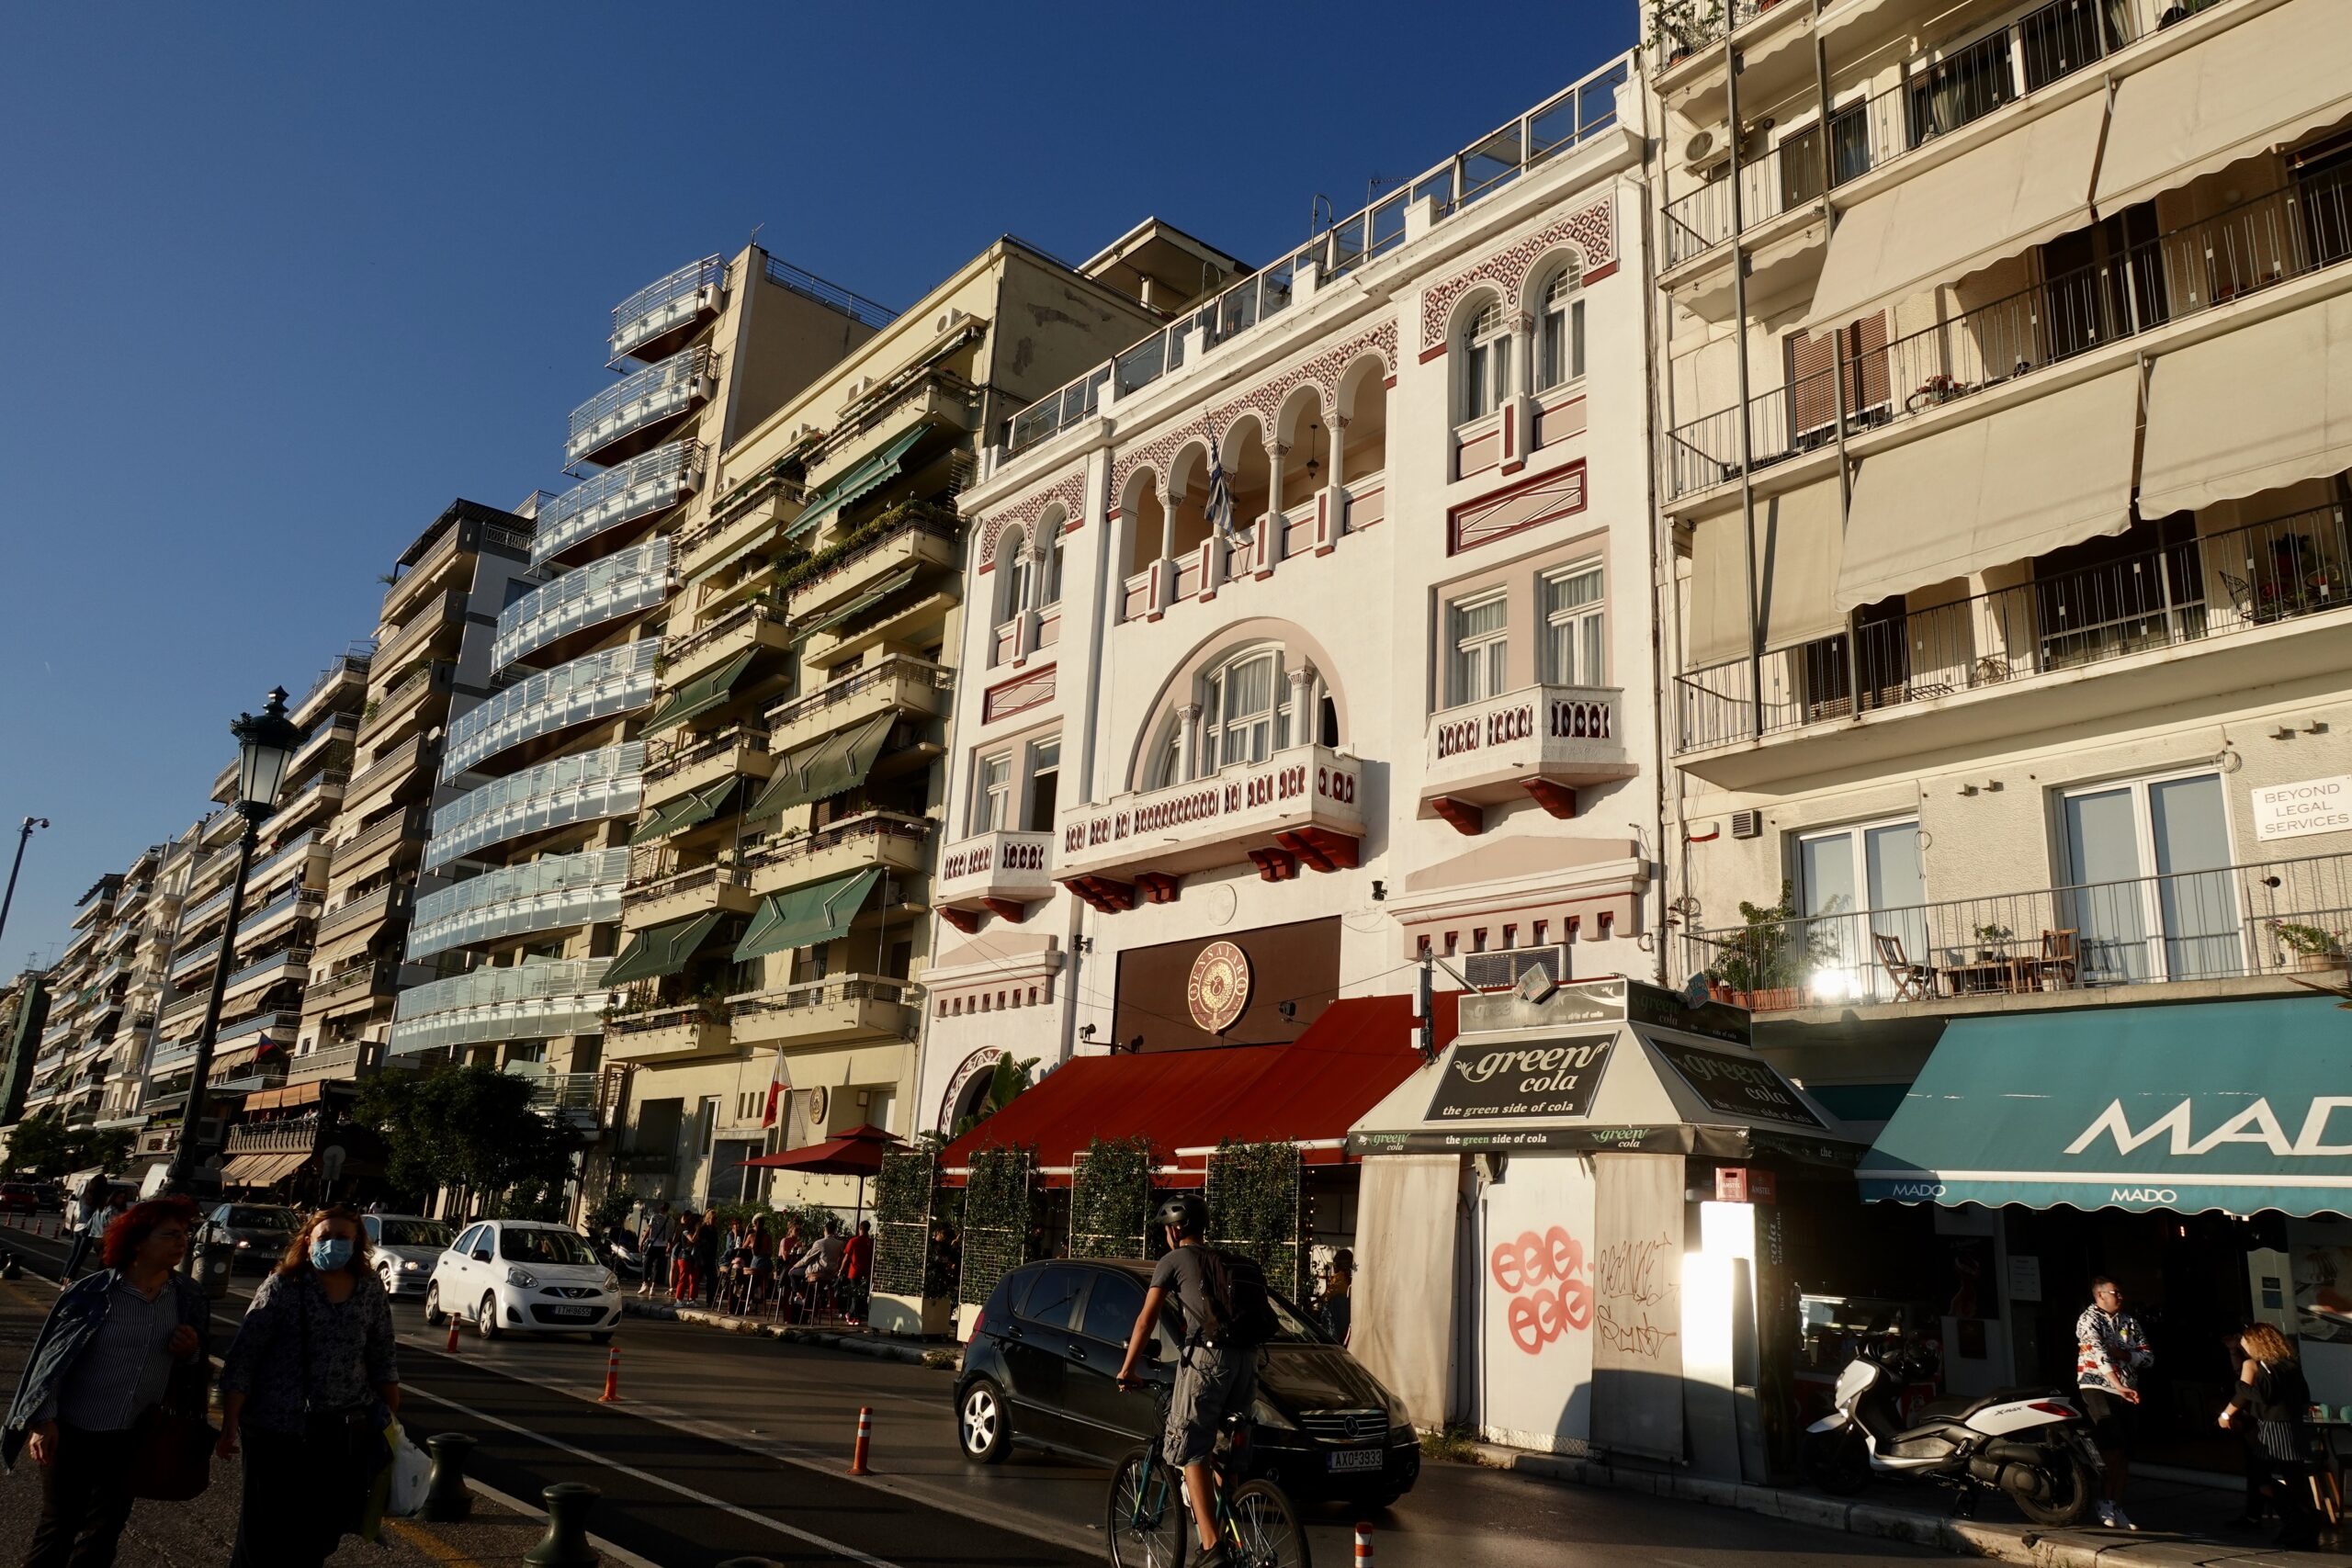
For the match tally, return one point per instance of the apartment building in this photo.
(24, 1017)
(777, 898)
(540, 779)
(87, 987)
(2004, 471)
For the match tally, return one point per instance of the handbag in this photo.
(171, 1456)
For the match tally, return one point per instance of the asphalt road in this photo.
(727, 1446)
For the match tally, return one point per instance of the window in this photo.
(992, 793)
(1053, 1300)
(1113, 1307)
(1241, 706)
(1575, 628)
(1166, 763)
(1800, 154)
(2148, 895)
(1485, 363)
(1045, 785)
(1013, 568)
(1478, 636)
(1855, 884)
(1050, 582)
(1560, 334)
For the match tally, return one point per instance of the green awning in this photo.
(864, 601)
(701, 694)
(2138, 1108)
(662, 950)
(806, 917)
(699, 806)
(820, 769)
(861, 480)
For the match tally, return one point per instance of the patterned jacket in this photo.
(2110, 1352)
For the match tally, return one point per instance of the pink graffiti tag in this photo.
(1548, 1298)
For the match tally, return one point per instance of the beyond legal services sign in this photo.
(2302, 810)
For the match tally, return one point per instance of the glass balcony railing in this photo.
(586, 788)
(657, 392)
(666, 304)
(596, 685)
(526, 1001)
(634, 489)
(549, 893)
(635, 578)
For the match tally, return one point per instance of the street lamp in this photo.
(24, 837)
(265, 743)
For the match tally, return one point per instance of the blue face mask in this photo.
(330, 1253)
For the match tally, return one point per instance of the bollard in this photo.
(1363, 1546)
(865, 1437)
(612, 1394)
(9, 1268)
(566, 1543)
(446, 1497)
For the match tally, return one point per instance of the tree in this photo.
(46, 1148)
(471, 1129)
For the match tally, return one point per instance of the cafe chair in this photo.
(1913, 981)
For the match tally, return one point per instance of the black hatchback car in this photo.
(1040, 1369)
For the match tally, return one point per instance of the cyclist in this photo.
(1215, 1376)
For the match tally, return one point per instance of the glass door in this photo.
(2149, 895)
(1854, 885)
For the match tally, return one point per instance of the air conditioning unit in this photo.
(1703, 151)
(949, 321)
(857, 389)
(1502, 971)
(1748, 824)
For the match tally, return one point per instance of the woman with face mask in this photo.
(308, 1385)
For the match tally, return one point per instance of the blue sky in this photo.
(287, 278)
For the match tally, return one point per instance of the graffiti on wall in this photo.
(1543, 1278)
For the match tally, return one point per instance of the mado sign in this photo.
(2301, 811)
(1552, 1078)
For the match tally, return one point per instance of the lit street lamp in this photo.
(265, 743)
(24, 837)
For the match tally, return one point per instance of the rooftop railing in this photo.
(657, 392)
(785, 275)
(595, 685)
(587, 787)
(548, 894)
(666, 302)
(621, 494)
(1582, 109)
(620, 584)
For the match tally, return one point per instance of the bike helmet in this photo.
(1184, 1211)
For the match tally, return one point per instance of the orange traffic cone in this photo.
(864, 1437)
(612, 1394)
(1363, 1546)
(451, 1348)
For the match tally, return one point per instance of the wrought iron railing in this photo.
(666, 758)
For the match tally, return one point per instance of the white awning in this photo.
(2264, 82)
(1990, 202)
(1800, 540)
(2051, 471)
(2250, 411)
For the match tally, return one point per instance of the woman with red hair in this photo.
(120, 1346)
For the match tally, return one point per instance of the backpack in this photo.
(1243, 1310)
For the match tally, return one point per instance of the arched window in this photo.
(1012, 568)
(1243, 716)
(1484, 358)
(1050, 584)
(1559, 331)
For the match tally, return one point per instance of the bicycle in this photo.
(1150, 1521)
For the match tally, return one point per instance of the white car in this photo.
(406, 1248)
(523, 1276)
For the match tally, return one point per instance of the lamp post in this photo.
(24, 837)
(265, 743)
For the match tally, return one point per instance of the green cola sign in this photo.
(1555, 1077)
(1740, 1086)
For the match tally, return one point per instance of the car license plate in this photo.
(1356, 1459)
(571, 1311)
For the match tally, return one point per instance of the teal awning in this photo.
(699, 806)
(701, 694)
(806, 917)
(2238, 1106)
(861, 479)
(820, 769)
(662, 950)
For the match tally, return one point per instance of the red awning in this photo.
(857, 1152)
(1309, 1091)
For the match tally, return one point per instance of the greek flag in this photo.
(1220, 506)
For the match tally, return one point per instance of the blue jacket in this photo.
(72, 1323)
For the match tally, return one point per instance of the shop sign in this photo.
(2302, 810)
(1739, 1086)
(1554, 1078)
(1220, 986)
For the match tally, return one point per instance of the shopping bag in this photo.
(411, 1470)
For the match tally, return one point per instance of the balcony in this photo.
(2057, 651)
(329, 741)
(596, 685)
(1299, 807)
(403, 710)
(2219, 928)
(524, 1001)
(588, 787)
(279, 915)
(583, 1100)
(406, 771)
(422, 635)
(911, 533)
(636, 490)
(364, 981)
(2142, 290)
(1003, 872)
(552, 892)
(659, 318)
(885, 839)
(250, 1029)
(346, 677)
(626, 583)
(844, 1009)
(186, 967)
(367, 909)
(289, 964)
(358, 1059)
(382, 840)
(900, 683)
(737, 633)
(292, 1135)
(685, 893)
(669, 1033)
(675, 768)
(1545, 741)
(629, 416)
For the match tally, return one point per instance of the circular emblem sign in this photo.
(1219, 988)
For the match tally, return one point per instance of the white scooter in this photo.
(2032, 1445)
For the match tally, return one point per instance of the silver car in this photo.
(406, 1246)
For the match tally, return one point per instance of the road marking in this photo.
(620, 1554)
(432, 1545)
(837, 1547)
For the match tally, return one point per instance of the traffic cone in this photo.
(612, 1394)
(864, 1437)
(451, 1347)
(1363, 1546)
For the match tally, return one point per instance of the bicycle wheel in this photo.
(1268, 1528)
(1149, 1524)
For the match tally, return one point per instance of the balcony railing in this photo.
(548, 894)
(646, 397)
(368, 978)
(565, 1094)
(355, 1059)
(811, 995)
(820, 577)
(1583, 110)
(409, 822)
(595, 685)
(872, 833)
(325, 790)
(1301, 805)
(448, 610)
(625, 583)
(271, 1022)
(293, 1135)
(1005, 866)
(415, 755)
(857, 307)
(1492, 750)
(526, 1001)
(350, 666)
(2223, 923)
(2215, 585)
(666, 304)
(588, 787)
(291, 963)
(921, 673)
(376, 905)
(665, 759)
(637, 489)
(2270, 238)
(648, 1020)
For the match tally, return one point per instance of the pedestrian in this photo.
(2110, 1353)
(707, 1238)
(655, 1236)
(857, 1270)
(1339, 1294)
(2251, 1458)
(309, 1383)
(100, 1209)
(2272, 1390)
(682, 1256)
(122, 1351)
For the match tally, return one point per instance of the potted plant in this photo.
(1996, 942)
(2314, 947)
(1758, 968)
(1680, 26)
